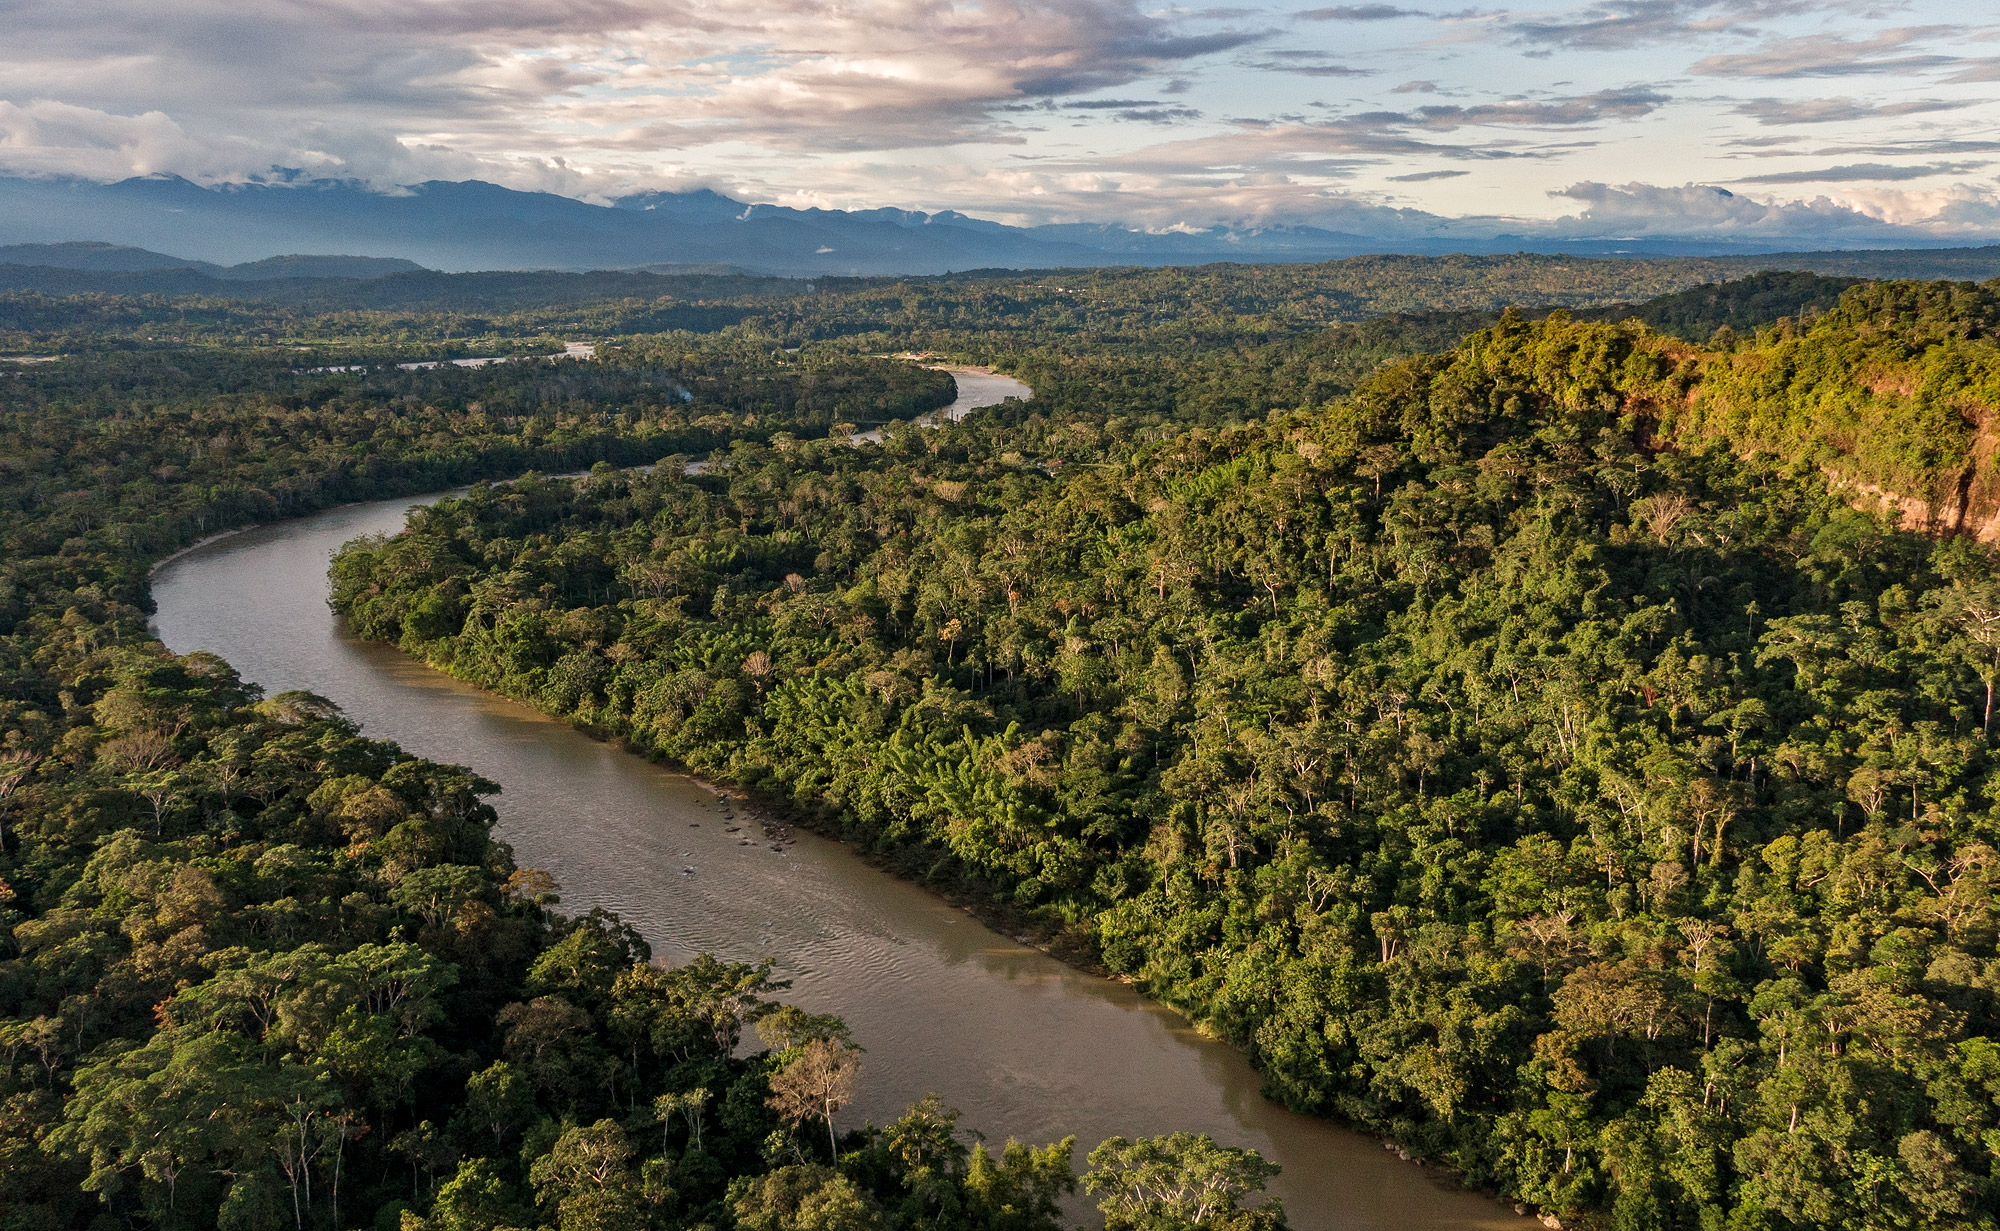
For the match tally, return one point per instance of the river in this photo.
(978, 388)
(1023, 1045)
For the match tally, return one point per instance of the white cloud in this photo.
(1867, 214)
(610, 76)
(46, 136)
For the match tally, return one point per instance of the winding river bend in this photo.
(1024, 1045)
(978, 388)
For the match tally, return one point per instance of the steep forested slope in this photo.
(1895, 394)
(1529, 756)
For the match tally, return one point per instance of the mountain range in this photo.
(235, 231)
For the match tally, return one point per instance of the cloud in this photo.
(1787, 111)
(1306, 155)
(46, 137)
(1617, 25)
(1830, 55)
(1638, 210)
(1570, 112)
(1048, 108)
(1164, 196)
(1306, 62)
(593, 81)
(1913, 148)
(1359, 12)
(1160, 189)
(1309, 69)
(1984, 69)
(1337, 147)
(1873, 172)
(1144, 112)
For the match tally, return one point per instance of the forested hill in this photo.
(1533, 756)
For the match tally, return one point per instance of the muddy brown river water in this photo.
(1023, 1045)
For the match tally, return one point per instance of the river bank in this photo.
(978, 389)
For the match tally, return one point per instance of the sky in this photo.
(1822, 118)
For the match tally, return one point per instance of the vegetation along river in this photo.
(1022, 1044)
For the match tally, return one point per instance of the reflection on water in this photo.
(978, 388)
(1025, 1046)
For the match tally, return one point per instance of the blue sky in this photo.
(1631, 117)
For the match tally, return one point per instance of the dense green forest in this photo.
(260, 971)
(1530, 756)
(497, 313)
(1520, 746)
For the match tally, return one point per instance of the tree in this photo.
(15, 765)
(586, 1180)
(499, 1101)
(551, 1041)
(816, 1083)
(1022, 1190)
(689, 1104)
(476, 1198)
(806, 1198)
(1181, 1182)
(1972, 605)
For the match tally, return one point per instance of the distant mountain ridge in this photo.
(708, 297)
(474, 225)
(96, 256)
